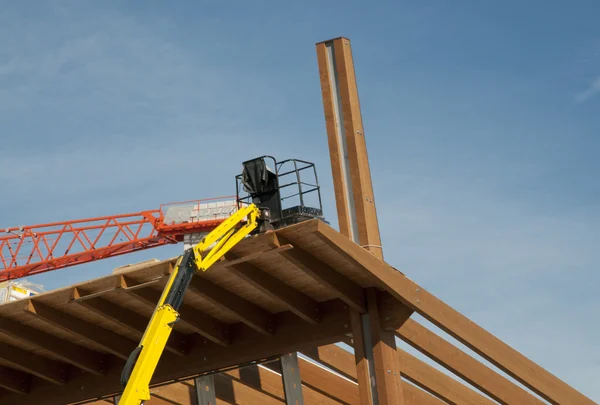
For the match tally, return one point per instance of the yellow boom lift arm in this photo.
(142, 362)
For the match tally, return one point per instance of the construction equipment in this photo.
(265, 199)
(30, 250)
(36, 249)
(261, 185)
(143, 360)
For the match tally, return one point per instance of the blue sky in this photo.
(481, 120)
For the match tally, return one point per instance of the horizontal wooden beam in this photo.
(78, 356)
(247, 312)
(117, 282)
(320, 386)
(109, 341)
(342, 361)
(292, 334)
(233, 259)
(295, 301)
(335, 358)
(39, 366)
(135, 323)
(454, 323)
(232, 391)
(437, 383)
(416, 371)
(14, 380)
(203, 324)
(417, 396)
(266, 381)
(351, 293)
(464, 366)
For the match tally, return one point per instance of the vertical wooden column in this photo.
(377, 365)
(355, 202)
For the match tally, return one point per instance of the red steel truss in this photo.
(29, 250)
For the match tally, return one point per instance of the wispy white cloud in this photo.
(590, 92)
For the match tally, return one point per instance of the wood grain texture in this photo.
(335, 148)
(199, 322)
(109, 341)
(48, 347)
(246, 311)
(456, 324)
(464, 366)
(345, 289)
(16, 358)
(360, 172)
(85, 359)
(385, 361)
(292, 334)
(438, 383)
(297, 302)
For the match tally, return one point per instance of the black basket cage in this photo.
(291, 189)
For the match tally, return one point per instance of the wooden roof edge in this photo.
(137, 268)
(416, 298)
(134, 269)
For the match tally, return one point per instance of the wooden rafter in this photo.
(292, 334)
(111, 342)
(347, 290)
(126, 318)
(56, 318)
(14, 381)
(456, 324)
(78, 356)
(357, 214)
(341, 361)
(256, 385)
(203, 324)
(247, 312)
(464, 366)
(297, 302)
(16, 358)
(439, 384)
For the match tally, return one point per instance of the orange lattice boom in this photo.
(29, 250)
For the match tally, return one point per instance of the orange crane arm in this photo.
(29, 250)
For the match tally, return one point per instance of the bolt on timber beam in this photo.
(357, 214)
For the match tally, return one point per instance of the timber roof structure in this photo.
(303, 288)
(300, 288)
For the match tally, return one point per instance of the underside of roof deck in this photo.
(274, 294)
(291, 290)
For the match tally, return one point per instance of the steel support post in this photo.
(205, 390)
(292, 383)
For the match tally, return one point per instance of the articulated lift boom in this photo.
(143, 360)
(260, 210)
(261, 190)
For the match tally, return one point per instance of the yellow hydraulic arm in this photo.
(142, 362)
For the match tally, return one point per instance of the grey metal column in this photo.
(292, 383)
(205, 390)
(116, 399)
